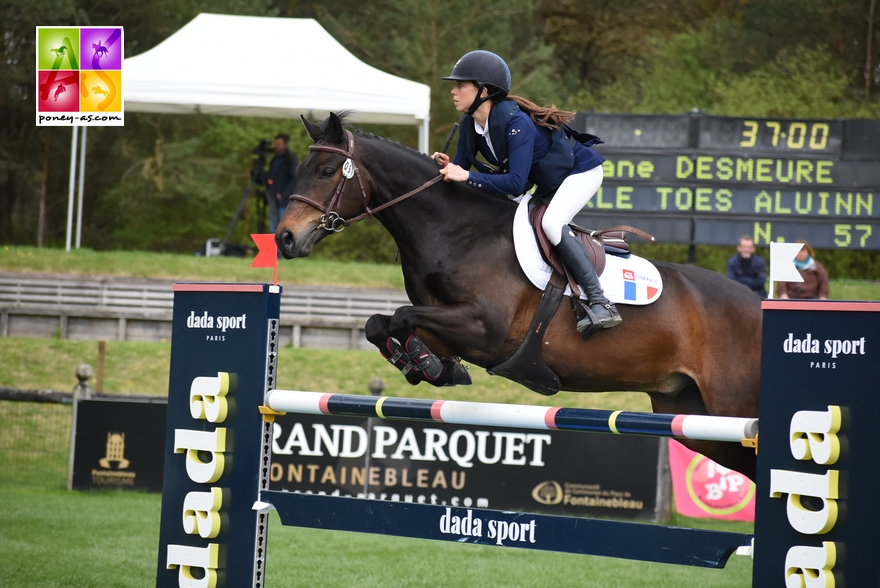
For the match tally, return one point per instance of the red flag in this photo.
(267, 253)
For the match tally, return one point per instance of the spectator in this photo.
(748, 268)
(281, 181)
(815, 284)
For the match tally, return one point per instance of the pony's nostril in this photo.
(285, 241)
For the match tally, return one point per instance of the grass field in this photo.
(110, 538)
(168, 266)
(173, 266)
(52, 538)
(143, 368)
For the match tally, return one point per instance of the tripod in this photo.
(214, 248)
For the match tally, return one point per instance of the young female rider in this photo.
(528, 144)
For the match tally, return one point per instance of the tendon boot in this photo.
(424, 361)
(397, 357)
(601, 312)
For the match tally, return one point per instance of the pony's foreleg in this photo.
(408, 353)
(377, 333)
(470, 326)
(455, 329)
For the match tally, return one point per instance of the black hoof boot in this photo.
(454, 374)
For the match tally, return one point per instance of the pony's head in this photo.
(329, 189)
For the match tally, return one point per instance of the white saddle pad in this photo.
(631, 280)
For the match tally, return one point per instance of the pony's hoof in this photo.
(458, 374)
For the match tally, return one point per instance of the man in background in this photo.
(281, 180)
(747, 268)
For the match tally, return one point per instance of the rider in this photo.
(529, 144)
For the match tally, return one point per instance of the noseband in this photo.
(330, 219)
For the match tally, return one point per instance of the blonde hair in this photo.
(544, 116)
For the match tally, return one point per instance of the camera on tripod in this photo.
(263, 147)
(258, 169)
(258, 177)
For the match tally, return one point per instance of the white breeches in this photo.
(572, 195)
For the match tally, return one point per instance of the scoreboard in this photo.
(708, 180)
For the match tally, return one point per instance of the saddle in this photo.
(598, 244)
(526, 366)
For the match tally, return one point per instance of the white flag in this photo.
(782, 267)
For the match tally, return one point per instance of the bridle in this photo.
(330, 219)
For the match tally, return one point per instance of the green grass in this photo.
(54, 538)
(34, 443)
(110, 538)
(143, 368)
(854, 290)
(172, 266)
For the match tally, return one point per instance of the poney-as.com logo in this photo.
(79, 76)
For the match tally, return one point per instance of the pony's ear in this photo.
(334, 132)
(311, 128)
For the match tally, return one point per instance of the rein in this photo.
(330, 219)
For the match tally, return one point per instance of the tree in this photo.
(422, 41)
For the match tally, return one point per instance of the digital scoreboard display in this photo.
(708, 180)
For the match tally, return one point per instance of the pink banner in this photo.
(704, 489)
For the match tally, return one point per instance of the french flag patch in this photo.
(636, 290)
(629, 285)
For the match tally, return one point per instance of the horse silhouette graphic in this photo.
(100, 50)
(60, 90)
(100, 90)
(58, 51)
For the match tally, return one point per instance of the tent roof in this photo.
(266, 67)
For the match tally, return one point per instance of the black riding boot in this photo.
(578, 263)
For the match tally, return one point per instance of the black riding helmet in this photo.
(486, 70)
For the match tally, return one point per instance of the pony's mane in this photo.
(392, 142)
(343, 117)
(422, 157)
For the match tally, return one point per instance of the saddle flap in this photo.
(592, 241)
(627, 279)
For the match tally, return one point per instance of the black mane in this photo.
(416, 161)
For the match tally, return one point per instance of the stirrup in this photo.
(588, 324)
(613, 319)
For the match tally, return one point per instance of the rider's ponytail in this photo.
(544, 116)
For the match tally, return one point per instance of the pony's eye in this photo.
(327, 172)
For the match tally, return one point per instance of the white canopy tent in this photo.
(268, 67)
(262, 67)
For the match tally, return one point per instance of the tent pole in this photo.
(423, 135)
(73, 144)
(82, 175)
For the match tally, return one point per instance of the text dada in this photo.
(500, 531)
(813, 436)
(203, 453)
